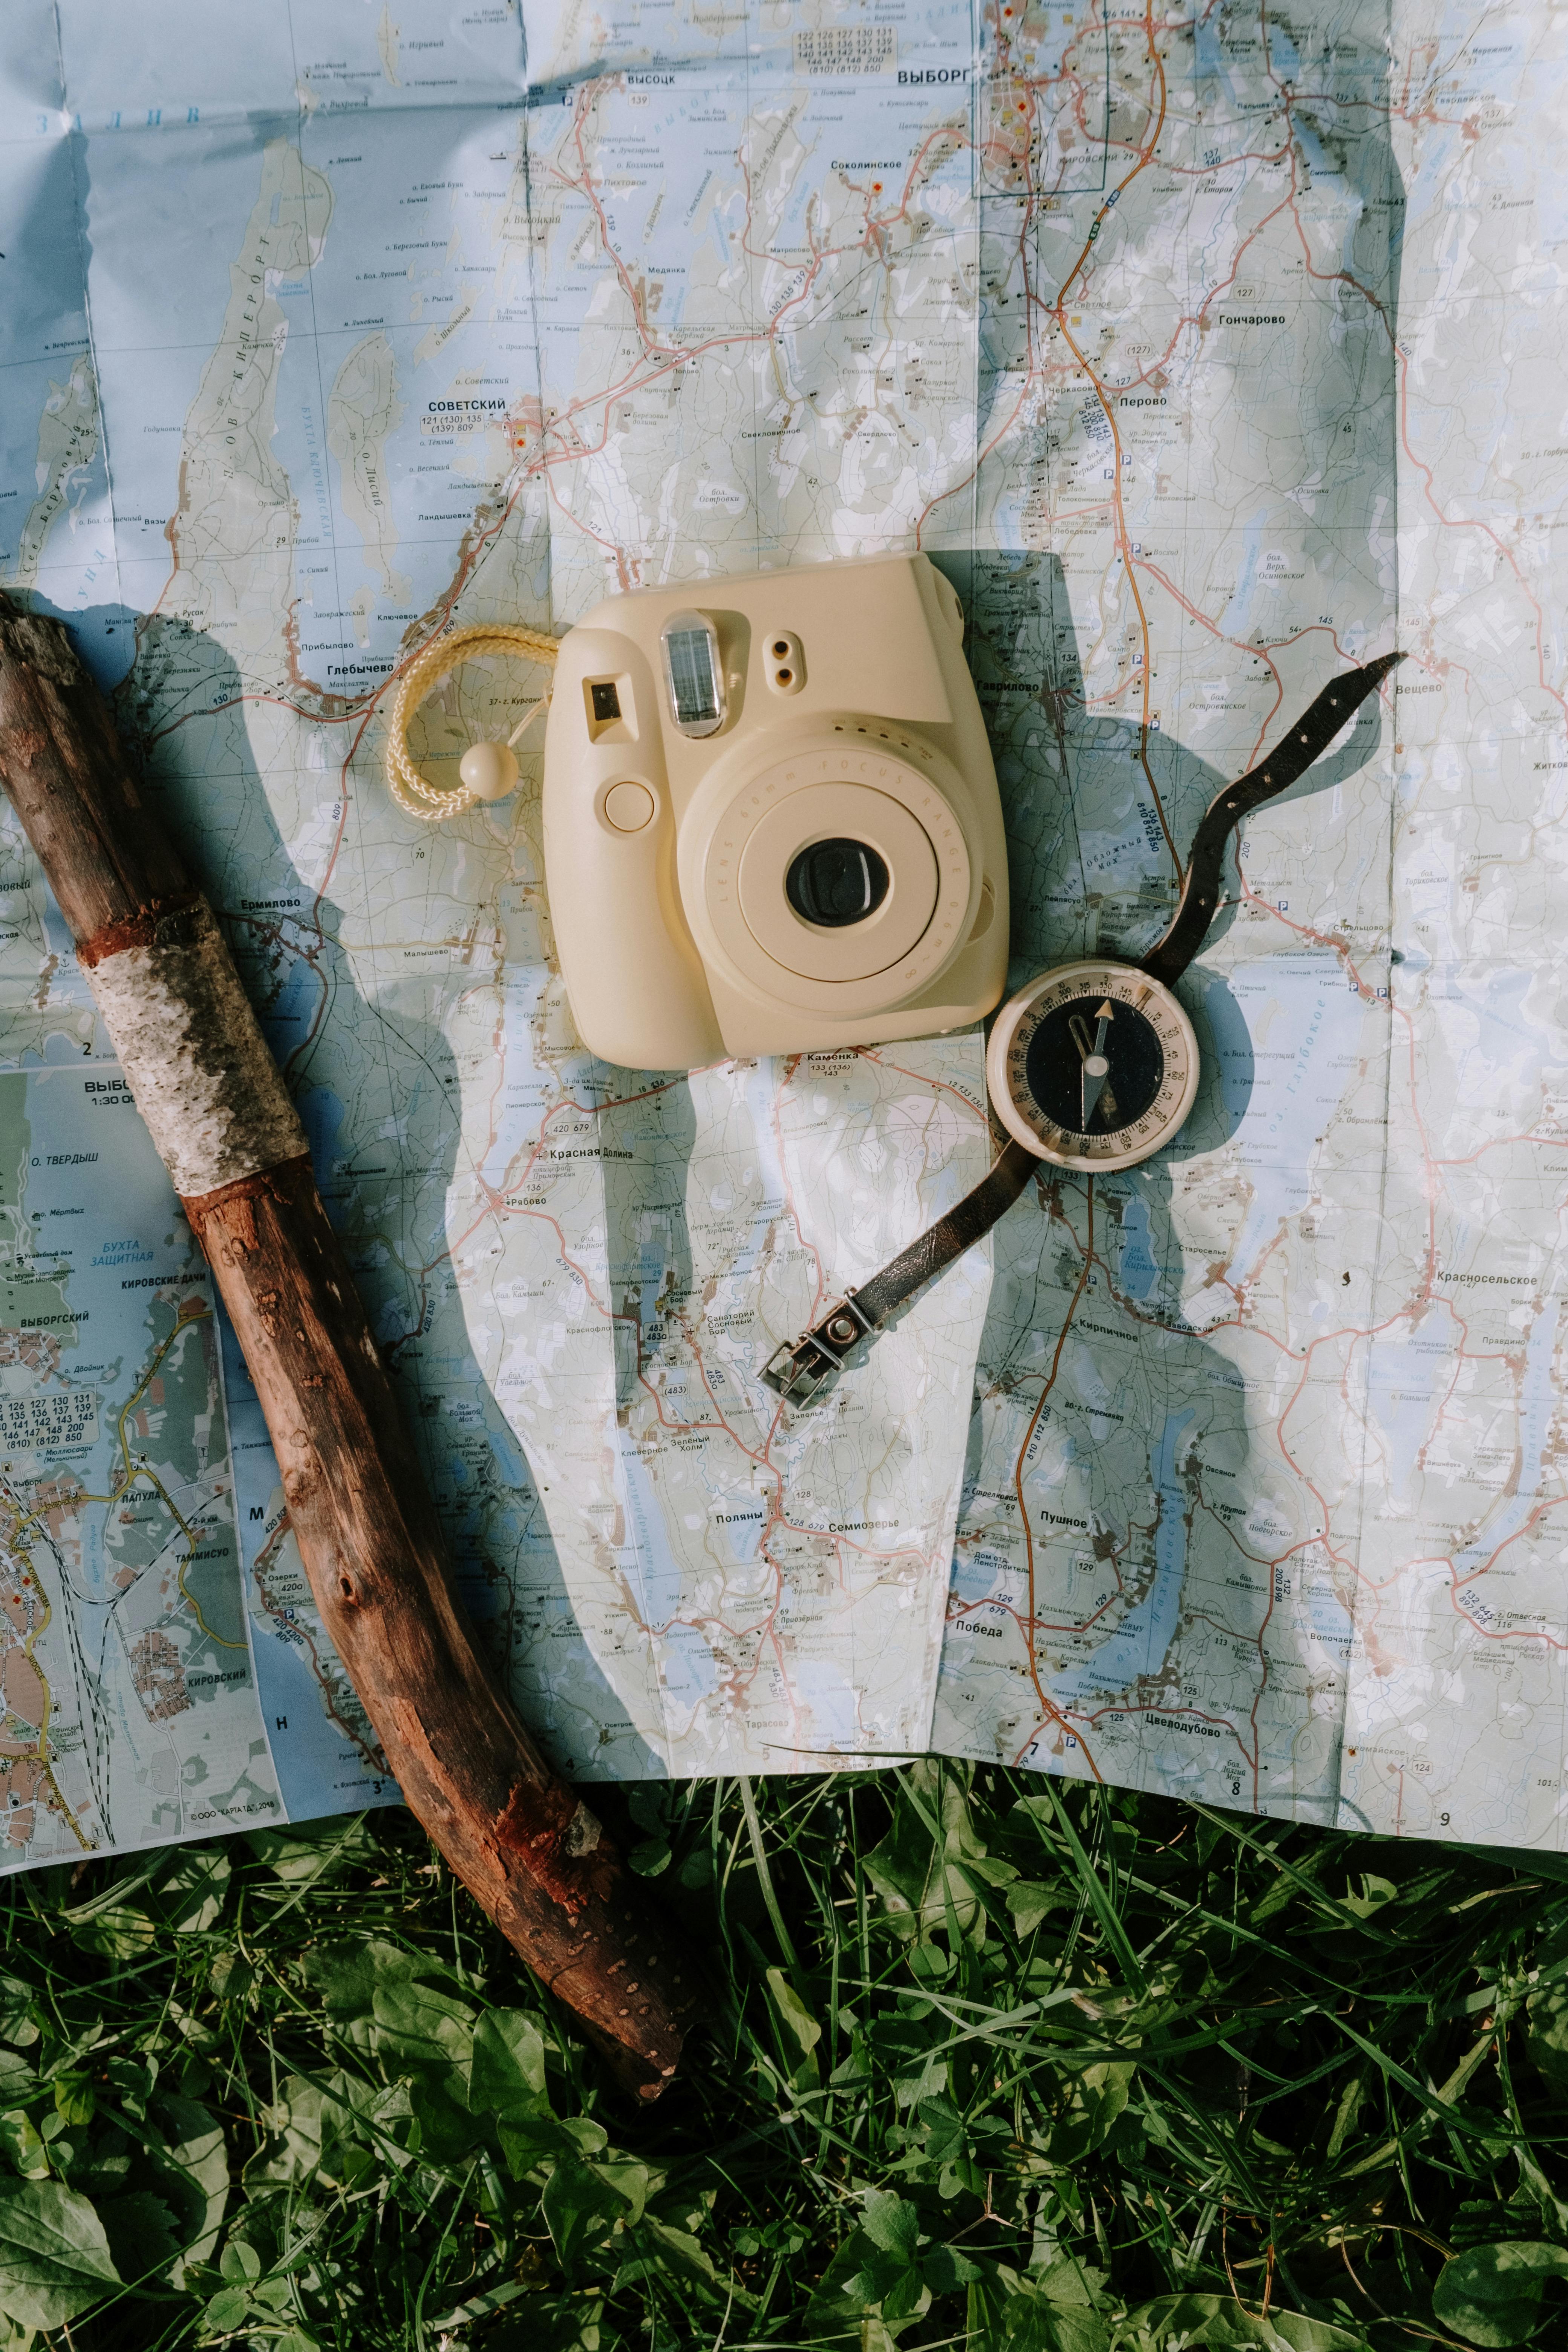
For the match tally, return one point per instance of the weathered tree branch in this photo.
(533, 1853)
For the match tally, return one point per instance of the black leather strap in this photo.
(799, 1368)
(1308, 739)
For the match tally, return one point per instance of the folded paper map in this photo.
(1206, 354)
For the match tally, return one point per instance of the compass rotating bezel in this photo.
(1007, 1066)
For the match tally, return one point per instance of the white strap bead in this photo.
(492, 762)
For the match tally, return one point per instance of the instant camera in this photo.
(771, 817)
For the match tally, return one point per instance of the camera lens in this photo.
(834, 883)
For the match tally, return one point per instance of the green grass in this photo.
(993, 2061)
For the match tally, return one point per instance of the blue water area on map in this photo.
(322, 1115)
(1323, 165)
(1505, 1037)
(651, 1270)
(744, 1534)
(146, 235)
(1237, 618)
(287, 1018)
(691, 1673)
(1329, 1617)
(512, 1464)
(62, 1051)
(975, 1574)
(1210, 64)
(104, 636)
(1209, 57)
(1230, 1053)
(1136, 1272)
(1537, 1398)
(1305, 1025)
(733, 211)
(1284, 59)
(1142, 1637)
(825, 1691)
(326, 576)
(1402, 1379)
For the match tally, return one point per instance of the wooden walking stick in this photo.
(211, 1093)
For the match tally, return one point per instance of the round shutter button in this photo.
(629, 807)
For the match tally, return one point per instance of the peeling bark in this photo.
(533, 1853)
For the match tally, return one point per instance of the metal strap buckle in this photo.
(800, 1368)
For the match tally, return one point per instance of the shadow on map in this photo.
(1148, 1437)
(386, 1189)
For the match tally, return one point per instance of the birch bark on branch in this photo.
(532, 1852)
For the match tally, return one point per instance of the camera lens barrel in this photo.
(836, 882)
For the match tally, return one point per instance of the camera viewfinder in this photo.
(693, 673)
(605, 700)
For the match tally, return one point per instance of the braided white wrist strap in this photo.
(407, 786)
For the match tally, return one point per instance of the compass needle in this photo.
(1096, 1067)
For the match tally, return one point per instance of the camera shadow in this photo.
(1116, 1609)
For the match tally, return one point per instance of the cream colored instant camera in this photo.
(771, 819)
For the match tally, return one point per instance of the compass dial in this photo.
(1093, 1066)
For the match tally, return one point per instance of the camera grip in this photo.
(638, 994)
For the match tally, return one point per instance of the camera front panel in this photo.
(837, 881)
(738, 858)
(838, 876)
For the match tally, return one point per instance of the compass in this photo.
(1091, 1067)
